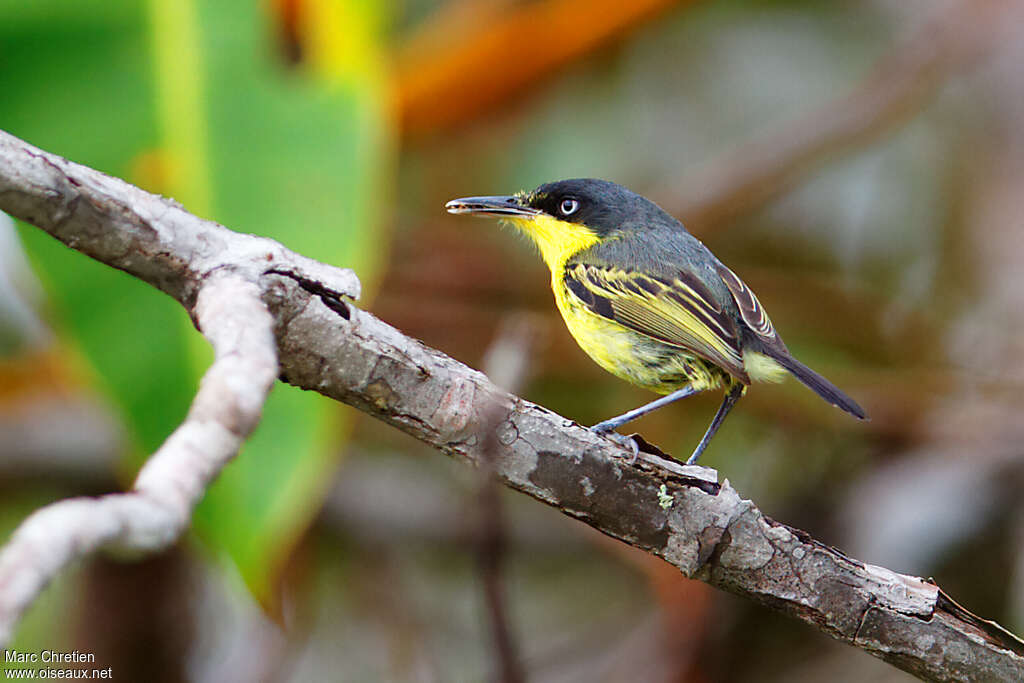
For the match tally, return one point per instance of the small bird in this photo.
(647, 301)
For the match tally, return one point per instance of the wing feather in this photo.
(751, 311)
(680, 312)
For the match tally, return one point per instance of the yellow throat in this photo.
(557, 240)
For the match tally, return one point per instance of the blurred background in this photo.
(859, 164)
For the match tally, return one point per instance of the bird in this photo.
(647, 301)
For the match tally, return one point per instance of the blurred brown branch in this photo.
(476, 55)
(679, 513)
(896, 88)
(506, 362)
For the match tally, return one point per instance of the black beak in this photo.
(490, 206)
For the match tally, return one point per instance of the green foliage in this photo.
(193, 99)
(66, 70)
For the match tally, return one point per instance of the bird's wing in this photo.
(680, 312)
(750, 308)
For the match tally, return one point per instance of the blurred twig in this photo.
(506, 363)
(899, 84)
(683, 515)
(490, 551)
(475, 55)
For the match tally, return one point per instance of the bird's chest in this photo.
(632, 356)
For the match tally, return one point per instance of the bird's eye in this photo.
(568, 206)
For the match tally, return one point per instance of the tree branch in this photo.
(158, 508)
(325, 344)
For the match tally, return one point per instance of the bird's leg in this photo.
(616, 422)
(723, 410)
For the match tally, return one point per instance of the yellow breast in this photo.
(625, 353)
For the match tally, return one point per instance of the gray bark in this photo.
(326, 344)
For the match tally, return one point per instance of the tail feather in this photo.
(821, 386)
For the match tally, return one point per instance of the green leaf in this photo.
(208, 111)
(301, 155)
(66, 66)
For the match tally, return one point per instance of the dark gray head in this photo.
(606, 221)
(601, 205)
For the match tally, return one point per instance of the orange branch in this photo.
(477, 56)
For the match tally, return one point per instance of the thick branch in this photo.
(679, 513)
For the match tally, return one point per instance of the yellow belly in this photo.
(635, 357)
